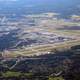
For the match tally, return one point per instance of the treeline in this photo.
(59, 65)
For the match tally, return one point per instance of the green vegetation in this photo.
(28, 75)
(63, 65)
(11, 74)
(56, 78)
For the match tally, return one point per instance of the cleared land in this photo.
(40, 50)
(46, 26)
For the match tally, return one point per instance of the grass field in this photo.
(40, 49)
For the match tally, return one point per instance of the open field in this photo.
(69, 33)
(40, 49)
(41, 37)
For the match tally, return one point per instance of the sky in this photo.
(61, 6)
(8, 0)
